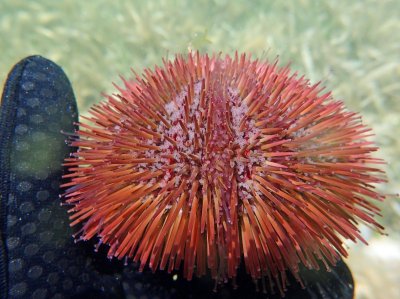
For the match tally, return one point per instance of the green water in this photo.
(352, 46)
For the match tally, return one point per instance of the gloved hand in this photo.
(38, 256)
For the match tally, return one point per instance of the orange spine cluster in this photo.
(207, 160)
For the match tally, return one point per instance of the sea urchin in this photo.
(208, 160)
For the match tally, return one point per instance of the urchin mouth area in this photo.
(208, 138)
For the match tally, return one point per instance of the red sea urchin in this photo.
(207, 160)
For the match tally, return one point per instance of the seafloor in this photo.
(352, 46)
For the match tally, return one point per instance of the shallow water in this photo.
(351, 46)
